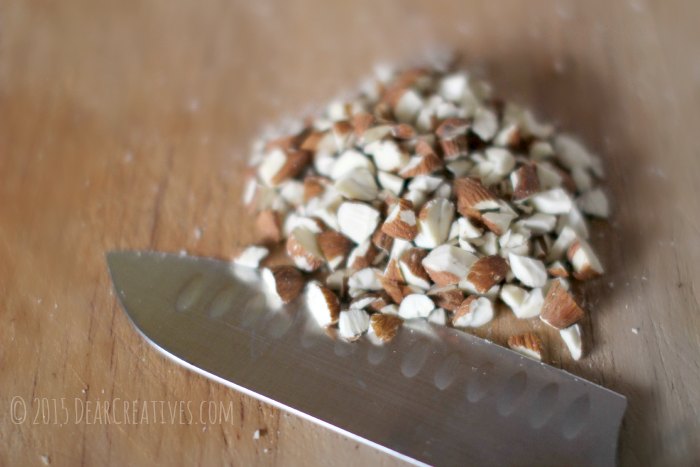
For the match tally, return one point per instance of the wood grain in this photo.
(126, 125)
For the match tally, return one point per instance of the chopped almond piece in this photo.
(585, 263)
(285, 282)
(302, 247)
(385, 326)
(334, 246)
(473, 197)
(323, 304)
(401, 221)
(487, 272)
(525, 182)
(560, 310)
(269, 226)
(527, 344)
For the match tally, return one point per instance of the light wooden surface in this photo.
(126, 124)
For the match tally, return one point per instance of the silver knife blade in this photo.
(433, 395)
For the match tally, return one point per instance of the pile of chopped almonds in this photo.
(425, 198)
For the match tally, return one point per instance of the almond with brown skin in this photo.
(314, 187)
(382, 241)
(585, 263)
(361, 122)
(454, 147)
(452, 127)
(421, 165)
(302, 247)
(396, 290)
(294, 162)
(557, 269)
(487, 272)
(269, 226)
(323, 304)
(334, 246)
(525, 182)
(403, 131)
(385, 326)
(449, 298)
(401, 221)
(286, 281)
(393, 271)
(363, 255)
(311, 141)
(411, 264)
(527, 344)
(560, 310)
(472, 196)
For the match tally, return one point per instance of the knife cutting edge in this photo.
(433, 395)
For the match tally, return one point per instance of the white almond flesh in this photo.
(485, 124)
(498, 222)
(434, 223)
(460, 167)
(322, 303)
(425, 183)
(582, 179)
(271, 165)
(438, 316)
(555, 201)
(452, 87)
(353, 323)
(294, 221)
(584, 261)
(539, 223)
(358, 184)
(408, 106)
(399, 247)
(571, 152)
(565, 239)
(401, 222)
(575, 220)
(531, 272)
(467, 229)
(365, 279)
(390, 182)
(375, 133)
(416, 197)
(502, 162)
(548, 176)
(390, 309)
(541, 150)
(480, 313)
(572, 338)
(531, 306)
(594, 203)
(251, 256)
(292, 191)
(416, 306)
(348, 162)
(412, 273)
(513, 296)
(387, 155)
(357, 221)
(448, 264)
(302, 247)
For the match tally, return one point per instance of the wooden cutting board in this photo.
(126, 125)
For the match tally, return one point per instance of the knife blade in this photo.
(433, 395)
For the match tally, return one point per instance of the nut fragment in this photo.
(401, 221)
(416, 306)
(525, 182)
(585, 263)
(448, 264)
(323, 304)
(412, 270)
(303, 248)
(487, 272)
(527, 344)
(559, 309)
(352, 323)
(357, 221)
(572, 338)
(473, 197)
(530, 272)
(284, 282)
(474, 312)
(251, 256)
(434, 221)
(385, 326)
(334, 246)
(449, 298)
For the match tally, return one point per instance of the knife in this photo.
(433, 395)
